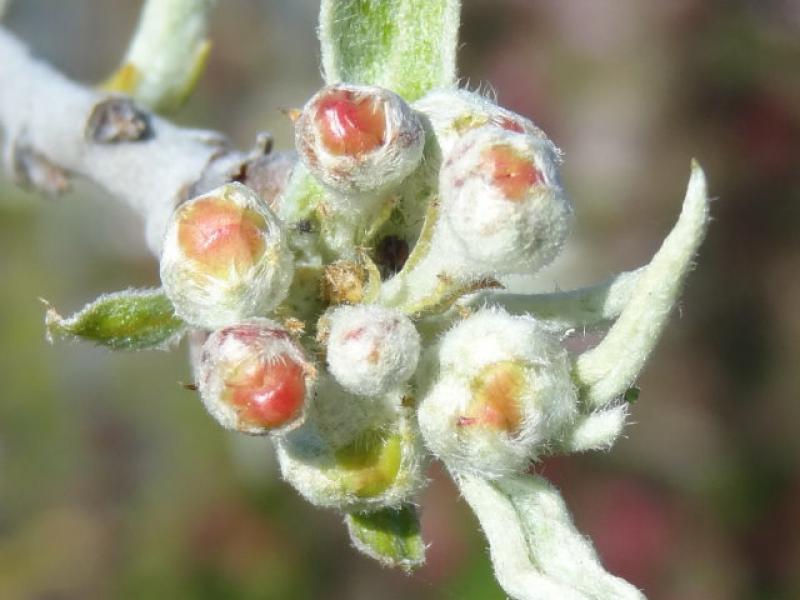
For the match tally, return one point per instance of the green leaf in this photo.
(408, 46)
(390, 536)
(129, 320)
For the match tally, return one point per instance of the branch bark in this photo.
(52, 124)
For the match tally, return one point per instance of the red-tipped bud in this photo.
(358, 138)
(510, 171)
(503, 392)
(350, 124)
(225, 258)
(502, 200)
(497, 393)
(254, 378)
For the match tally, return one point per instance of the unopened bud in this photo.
(254, 378)
(358, 138)
(379, 465)
(225, 258)
(371, 349)
(503, 394)
(452, 113)
(503, 201)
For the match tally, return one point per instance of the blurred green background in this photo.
(115, 484)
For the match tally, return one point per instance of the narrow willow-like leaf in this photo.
(408, 46)
(390, 536)
(608, 370)
(129, 320)
(535, 548)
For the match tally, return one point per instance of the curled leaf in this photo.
(608, 370)
(535, 548)
(129, 320)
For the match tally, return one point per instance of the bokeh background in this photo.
(115, 484)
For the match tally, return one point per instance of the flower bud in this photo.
(359, 138)
(254, 378)
(503, 394)
(354, 453)
(452, 113)
(503, 202)
(371, 349)
(225, 258)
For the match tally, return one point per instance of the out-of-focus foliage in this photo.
(113, 481)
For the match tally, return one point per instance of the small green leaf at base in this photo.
(129, 320)
(391, 536)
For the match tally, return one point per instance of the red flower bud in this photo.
(254, 377)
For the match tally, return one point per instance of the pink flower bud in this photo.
(502, 200)
(254, 378)
(225, 258)
(452, 114)
(502, 393)
(358, 138)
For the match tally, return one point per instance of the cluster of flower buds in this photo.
(254, 378)
(358, 138)
(503, 392)
(296, 334)
(225, 258)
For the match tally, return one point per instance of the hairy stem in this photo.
(583, 307)
(45, 119)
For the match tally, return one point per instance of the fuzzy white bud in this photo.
(371, 349)
(452, 113)
(359, 138)
(354, 453)
(225, 258)
(254, 378)
(502, 200)
(504, 392)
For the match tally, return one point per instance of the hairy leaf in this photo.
(129, 320)
(408, 46)
(608, 370)
(535, 548)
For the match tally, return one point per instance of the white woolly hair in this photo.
(308, 463)
(207, 301)
(224, 351)
(505, 236)
(454, 112)
(382, 168)
(548, 401)
(371, 349)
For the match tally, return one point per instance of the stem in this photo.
(44, 115)
(583, 307)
